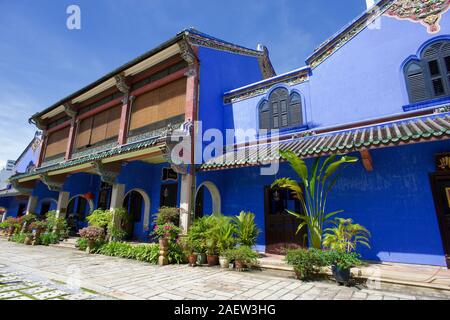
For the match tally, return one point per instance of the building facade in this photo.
(379, 89)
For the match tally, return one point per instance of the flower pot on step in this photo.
(224, 263)
(192, 259)
(28, 240)
(342, 276)
(201, 259)
(240, 265)
(212, 260)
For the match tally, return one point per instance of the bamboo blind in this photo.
(102, 126)
(159, 104)
(57, 143)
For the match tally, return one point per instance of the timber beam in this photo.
(366, 160)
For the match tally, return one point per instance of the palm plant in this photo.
(246, 229)
(345, 236)
(317, 185)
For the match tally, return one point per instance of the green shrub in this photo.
(344, 260)
(57, 225)
(147, 253)
(19, 237)
(308, 263)
(345, 236)
(167, 215)
(48, 238)
(100, 218)
(81, 244)
(246, 229)
(176, 254)
(243, 254)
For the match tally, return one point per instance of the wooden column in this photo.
(43, 149)
(71, 112)
(123, 87)
(366, 160)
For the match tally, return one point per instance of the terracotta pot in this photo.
(90, 245)
(28, 240)
(212, 260)
(240, 265)
(192, 260)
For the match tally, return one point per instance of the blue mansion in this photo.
(379, 89)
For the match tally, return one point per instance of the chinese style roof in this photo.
(191, 36)
(413, 130)
(95, 156)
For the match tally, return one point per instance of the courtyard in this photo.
(39, 273)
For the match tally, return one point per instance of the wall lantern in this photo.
(276, 195)
(89, 196)
(166, 192)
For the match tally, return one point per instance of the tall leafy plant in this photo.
(247, 231)
(317, 183)
(345, 236)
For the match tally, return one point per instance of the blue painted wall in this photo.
(362, 80)
(394, 201)
(220, 72)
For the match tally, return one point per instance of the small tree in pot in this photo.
(343, 240)
(243, 257)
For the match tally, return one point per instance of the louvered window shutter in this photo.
(415, 78)
(264, 116)
(295, 110)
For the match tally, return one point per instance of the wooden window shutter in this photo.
(57, 143)
(264, 116)
(113, 127)
(295, 110)
(416, 84)
(99, 127)
(84, 133)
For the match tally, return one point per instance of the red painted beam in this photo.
(71, 139)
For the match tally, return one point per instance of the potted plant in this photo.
(188, 247)
(211, 252)
(165, 233)
(247, 231)
(243, 257)
(307, 263)
(93, 235)
(167, 215)
(13, 225)
(225, 241)
(198, 233)
(37, 227)
(343, 240)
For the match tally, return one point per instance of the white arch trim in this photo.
(146, 221)
(48, 200)
(90, 202)
(215, 195)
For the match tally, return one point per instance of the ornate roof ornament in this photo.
(187, 54)
(426, 12)
(264, 63)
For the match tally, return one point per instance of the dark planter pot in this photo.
(201, 259)
(213, 260)
(342, 276)
(192, 260)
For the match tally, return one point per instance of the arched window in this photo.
(281, 110)
(430, 77)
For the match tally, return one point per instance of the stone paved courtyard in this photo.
(55, 273)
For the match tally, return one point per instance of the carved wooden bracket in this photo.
(173, 137)
(366, 159)
(107, 172)
(53, 183)
(70, 110)
(22, 189)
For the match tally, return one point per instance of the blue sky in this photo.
(41, 61)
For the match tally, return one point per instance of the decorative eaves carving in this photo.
(52, 184)
(70, 110)
(186, 52)
(106, 174)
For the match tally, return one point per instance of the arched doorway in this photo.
(46, 205)
(78, 209)
(137, 204)
(207, 200)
